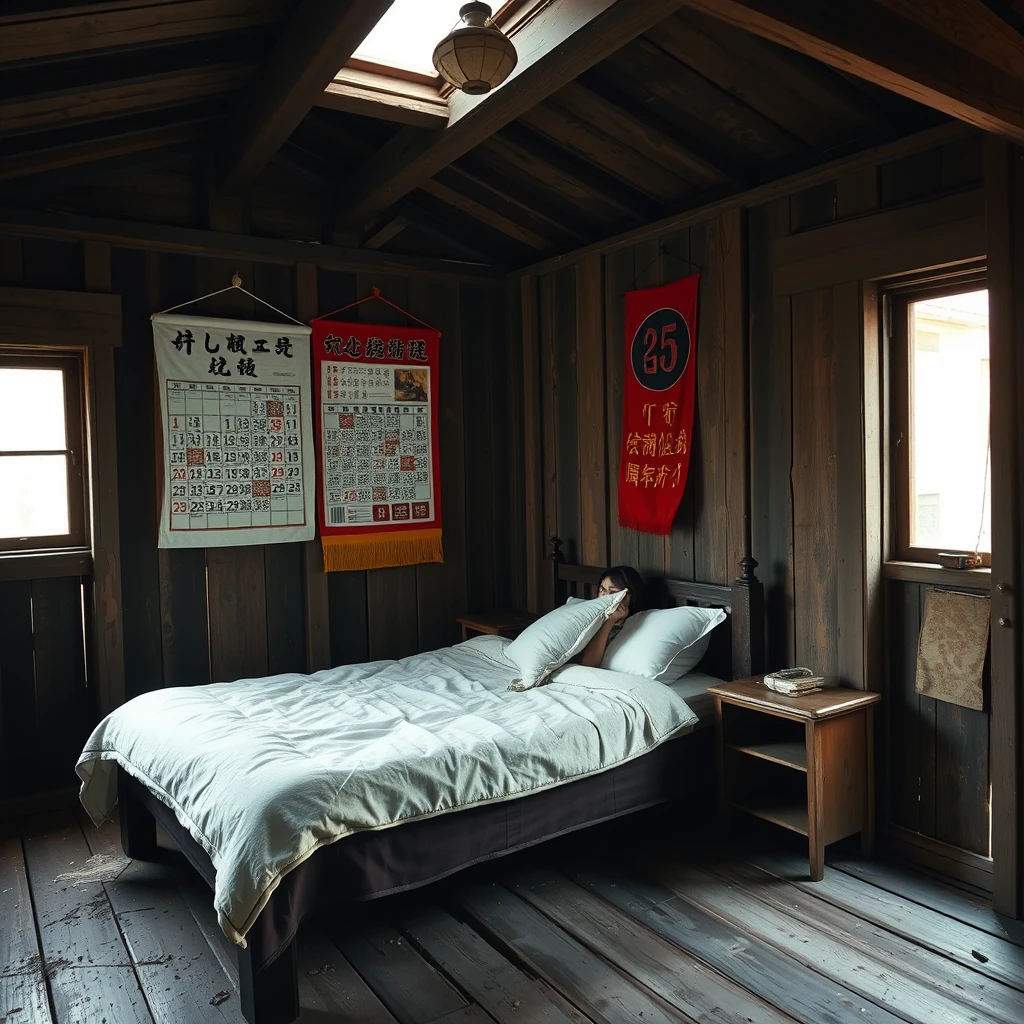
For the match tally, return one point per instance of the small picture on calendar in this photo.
(411, 385)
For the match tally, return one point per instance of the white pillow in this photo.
(556, 638)
(662, 643)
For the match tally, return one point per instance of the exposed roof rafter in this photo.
(928, 59)
(320, 37)
(561, 42)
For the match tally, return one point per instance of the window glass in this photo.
(35, 490)
(950, 474)
(31, 410)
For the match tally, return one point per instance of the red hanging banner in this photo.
(378, 485)
(657, 403)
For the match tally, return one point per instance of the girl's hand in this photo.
(621, 611)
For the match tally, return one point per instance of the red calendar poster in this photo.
(236, 417)
(378, 494)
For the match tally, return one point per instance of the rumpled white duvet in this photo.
(263, 772)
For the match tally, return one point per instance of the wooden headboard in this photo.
(737, 646)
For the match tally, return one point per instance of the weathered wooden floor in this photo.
(651, 937)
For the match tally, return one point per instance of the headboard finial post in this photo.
(747, 621)
(558, 588)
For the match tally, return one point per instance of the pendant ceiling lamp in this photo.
(476, 56)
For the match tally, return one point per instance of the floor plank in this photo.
(98, 995)
(402, 980)
(586, 980)
(964, 906)
(955, 983)
(1003, 960)
(687, 984)
(829, 952)
(498, 986)
(757, 966)
(23, 997)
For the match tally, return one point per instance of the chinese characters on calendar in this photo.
(662, 442)
(234, 400)
(376, 434)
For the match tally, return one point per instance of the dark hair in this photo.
(625, 577)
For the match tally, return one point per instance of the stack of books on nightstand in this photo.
(794, 682)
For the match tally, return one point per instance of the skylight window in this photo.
(407, 34)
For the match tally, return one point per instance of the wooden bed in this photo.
(372, 864)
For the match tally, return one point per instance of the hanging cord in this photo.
(236, 285)
(664, 252)
(375, 294)
(976, 558)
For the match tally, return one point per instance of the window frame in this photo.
(897, 299)
(72, 364)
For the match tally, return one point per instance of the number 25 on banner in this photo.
(660, 350)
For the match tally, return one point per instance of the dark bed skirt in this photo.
(372, 864)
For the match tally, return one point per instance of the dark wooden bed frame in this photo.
(268, 978)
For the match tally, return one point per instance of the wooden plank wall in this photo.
(573, 323)
(195, 616)
(816, 480)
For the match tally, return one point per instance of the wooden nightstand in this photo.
(806, 763)
(509, 624)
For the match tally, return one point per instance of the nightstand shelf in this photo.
(803, 763)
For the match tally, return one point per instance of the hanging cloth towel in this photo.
(952, 646)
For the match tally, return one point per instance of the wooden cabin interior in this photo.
(847, 181)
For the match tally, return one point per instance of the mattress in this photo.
(265, 772)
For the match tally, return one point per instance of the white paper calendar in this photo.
(236, 417)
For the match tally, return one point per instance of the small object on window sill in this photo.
(959, 560)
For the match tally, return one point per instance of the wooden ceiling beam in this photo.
(153, 92)
(386, 98)
(927, 59)
(53, 158)
(564, 40)
(320, 37)
(74, 30)
(391, 228)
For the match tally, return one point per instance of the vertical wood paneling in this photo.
(904, 706)
(441, 589)
(51, 264)
(183, 601)
(708, 484)
(236, 589)
(499, 474)
(514, 429)
(107, 655)
(814, 481)
(962, 777)
(771, 432)
(735, 390)
(62, 701)
(481, 458)
(565, 401)
(17, 687)
(549, 428)
(848, 332)
(592, 428)
(136, 448)
(857, 193)
(926, 768)
(533, 454)
(620, 271)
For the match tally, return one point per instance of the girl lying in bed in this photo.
(614, 580)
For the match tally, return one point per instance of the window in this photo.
(406, 35)
(940, 373)
(42, 453)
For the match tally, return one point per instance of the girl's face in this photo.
(607, 587)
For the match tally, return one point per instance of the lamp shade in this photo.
(476, 56)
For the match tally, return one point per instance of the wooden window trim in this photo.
(72, 364)
(898, 298)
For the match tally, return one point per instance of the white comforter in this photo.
(263, 772)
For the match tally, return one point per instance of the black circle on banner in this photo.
(660, 350)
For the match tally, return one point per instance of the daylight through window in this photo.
(40, 453)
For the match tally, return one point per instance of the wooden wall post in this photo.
(318, 632)
(532, 446)
(107, 656)
(1004, 200)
